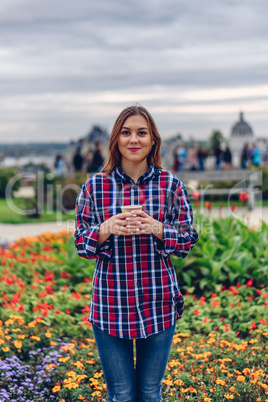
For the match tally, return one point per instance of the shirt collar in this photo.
(145, 178)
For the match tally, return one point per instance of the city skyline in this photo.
(66, 67)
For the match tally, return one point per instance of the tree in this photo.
(216, 138)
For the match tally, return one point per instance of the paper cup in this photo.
(129, 208)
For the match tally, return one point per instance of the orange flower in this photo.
(241, 378)
(208, 205)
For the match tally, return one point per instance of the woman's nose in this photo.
(133, 137)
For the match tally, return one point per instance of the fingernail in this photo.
(133, 214)
(128, 226)
(127, 219)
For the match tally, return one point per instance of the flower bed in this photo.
(47, 349)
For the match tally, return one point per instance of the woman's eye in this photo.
(142, 133)
(125, 132)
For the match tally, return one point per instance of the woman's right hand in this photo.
(121, 226)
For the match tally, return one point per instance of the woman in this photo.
(135, 291)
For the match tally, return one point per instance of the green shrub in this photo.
(5, 176)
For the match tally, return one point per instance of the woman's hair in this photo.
(114, 157)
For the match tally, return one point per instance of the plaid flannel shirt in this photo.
(135, 289)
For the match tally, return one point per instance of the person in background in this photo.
(245, 158)
(78, 161)
(98, 158)
(135, 292)
(192, 158)
(60, 165)
(201, 156)
(256, 156)
(227, 158)
(218, 156)
(181, 154)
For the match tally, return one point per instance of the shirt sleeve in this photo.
(87, 228)
(179, 235)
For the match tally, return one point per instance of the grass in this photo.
(8, 214)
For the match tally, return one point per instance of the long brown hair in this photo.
(114, 157)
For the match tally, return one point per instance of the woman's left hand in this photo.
(147, 225)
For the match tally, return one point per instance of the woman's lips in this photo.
(133, 149)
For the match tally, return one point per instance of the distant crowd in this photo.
(91, 163)
(190, 158)
(193, 157)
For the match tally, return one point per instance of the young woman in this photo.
(135, 294)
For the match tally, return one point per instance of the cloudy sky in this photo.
(66, 65)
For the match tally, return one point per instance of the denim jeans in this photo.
(126, 383)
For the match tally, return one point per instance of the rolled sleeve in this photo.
(87, 229)
(179, 235)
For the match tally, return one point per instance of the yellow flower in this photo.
(246, 371)
(265, 386)
(20, 336)
(96, 393)
(64, 359)
(56, 388)
(52, 343)
(97, 375)
(18, 344)
(81, 397)
(49, 366)
(207, 400)
(6, 349)
(2, 341)
(48, 334)
(220, 382)
(71, 374)
(79, 365)
(36, 338)
(232, 389)
(241, 378)
(229, 396)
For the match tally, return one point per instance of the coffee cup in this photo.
(129, 208)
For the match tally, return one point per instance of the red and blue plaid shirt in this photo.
(135, 289)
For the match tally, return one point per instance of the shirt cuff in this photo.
(87, 244)
(170, 241)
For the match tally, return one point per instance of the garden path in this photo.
(9, 232)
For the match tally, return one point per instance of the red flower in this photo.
(263, 321)
(233, 208)
(49, 289)
(76, 295)
(250, 298)
(258, 291)
(213, 295)
(86, 309)
(223, 288)
(196, 312)
(67, 312)
(205, 320)
(208, 205)
(253, 325)
(265, 304)
(243, 196)
(250, 283)
(265, 295)
(85, 319)
(238, 285)
(196, 194)
(202, 300)
(65, 287)
(86, 280)
(57, 312)
(233, 290)
(231, 304)
(65, 275)
(216, 329)
(226, 328)
(237, 333)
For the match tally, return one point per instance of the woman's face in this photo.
(135, 139)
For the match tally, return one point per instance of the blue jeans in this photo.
(124, 382)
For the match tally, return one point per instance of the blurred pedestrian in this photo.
(256, 156)
(98, 158)
(181, 154)
(60, 165)
(227, 158)
(201, 156)
(218, 156)
(192, 158)
(78, 161)
(245, 157)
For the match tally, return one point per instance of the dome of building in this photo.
(241, 128)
